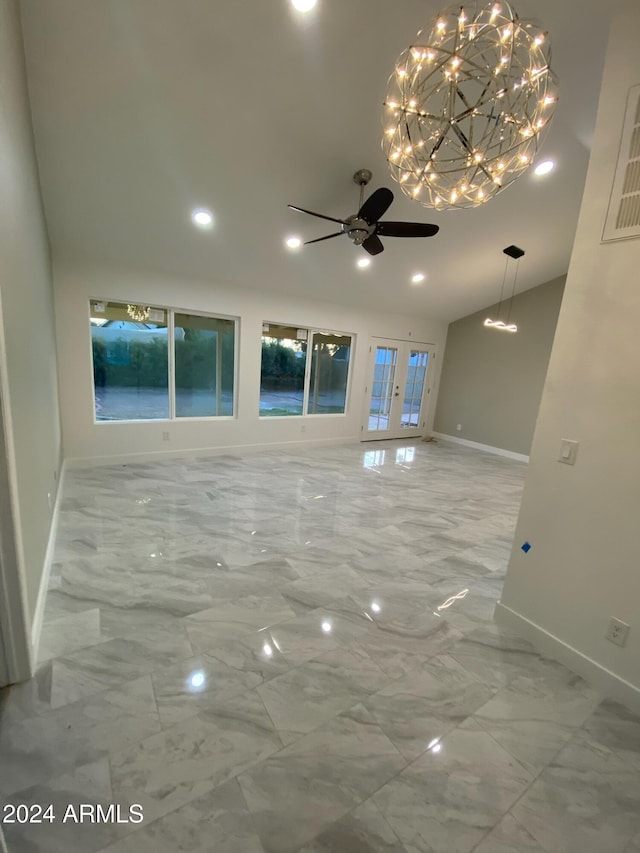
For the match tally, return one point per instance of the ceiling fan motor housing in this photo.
(358, 229)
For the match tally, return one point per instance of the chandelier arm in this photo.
(465, 142)
(435, 148)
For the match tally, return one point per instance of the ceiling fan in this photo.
(365, 227)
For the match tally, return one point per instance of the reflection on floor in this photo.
(294, 651)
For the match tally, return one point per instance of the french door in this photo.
(397, 390)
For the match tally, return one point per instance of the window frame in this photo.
(311, 331)
(171, 359)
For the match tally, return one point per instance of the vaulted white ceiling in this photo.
(146, 109)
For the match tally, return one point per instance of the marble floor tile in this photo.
(229, 619)
(448, 800)
(40, 748)
(187, 760)
(634, 845)
(536, 715)
(509, 836)
(254, 646)
(426, 703)
(321, 588)
(312, 693)
(69, 633)
(86, 785)
(397, 653)
(230, 667)
(363, 830)
(587, 799)
(297, 793)
(613, 727)
(322, 629)
(27, 699)
(496, 656)
(107, 664)
(217, 821)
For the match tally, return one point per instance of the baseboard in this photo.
(497, 451)
(607, 682)
(38, 616)
(160, 455)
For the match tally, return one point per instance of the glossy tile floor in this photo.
(294, 651)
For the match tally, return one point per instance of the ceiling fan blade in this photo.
(319, 215)
(319, 239)
(376, 205)
(373, 245)
(406, 229)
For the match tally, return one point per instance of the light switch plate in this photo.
(568, 451)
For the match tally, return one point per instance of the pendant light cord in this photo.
(504, 278)
(513, 289)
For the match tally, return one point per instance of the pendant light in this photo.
(506, 325)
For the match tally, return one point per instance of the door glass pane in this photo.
(384, 373)
(284, 360)
(329, 373)
(204, 351)
(412, 401)
(130, 361)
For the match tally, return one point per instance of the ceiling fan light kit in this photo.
(468, 105)
(364, 227)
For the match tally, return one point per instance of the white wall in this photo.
(582, 521)
(84, 439)
(27, 339)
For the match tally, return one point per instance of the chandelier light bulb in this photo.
(476, 111)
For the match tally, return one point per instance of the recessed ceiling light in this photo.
(303, 5)
(293, 242)
(545, 167)
(417, 278)
(202, 218)
(364, 262)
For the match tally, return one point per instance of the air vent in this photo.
(623, 216)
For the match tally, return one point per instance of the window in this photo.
(137, 374)
(329, 368)
(204, 366)
(293, 384)
(130, 362)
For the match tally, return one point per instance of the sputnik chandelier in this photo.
(467, 105)
(138, 313)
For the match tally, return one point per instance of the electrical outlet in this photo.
(303, 428)
(458, 427)
(165, 436)
(617, 632)
(49, 501)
